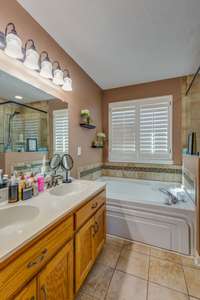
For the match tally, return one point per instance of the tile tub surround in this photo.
(90, 172)
(170, 173)
(140, 272)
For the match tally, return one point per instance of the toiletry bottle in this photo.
(13, 190)
(22, 185)
(40, 181)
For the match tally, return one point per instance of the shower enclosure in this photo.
(21, 123)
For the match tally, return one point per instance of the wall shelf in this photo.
(88, 126)
(100, 147)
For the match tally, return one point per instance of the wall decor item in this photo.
(86, 120)
(31, 145)
(11, 44)
(99, 141)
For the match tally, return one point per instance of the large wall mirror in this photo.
(33, 126)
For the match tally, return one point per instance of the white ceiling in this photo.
(122, 42)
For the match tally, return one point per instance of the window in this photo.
(60, 131)
(140, 130)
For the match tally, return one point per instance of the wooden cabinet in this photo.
(100, 230)
(55, 264)
(88, 243)
(56, 279)
(29, 292)
(84, 251)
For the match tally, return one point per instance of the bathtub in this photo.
(137, 210)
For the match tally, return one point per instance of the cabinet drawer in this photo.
(19, 271)
(86, 211)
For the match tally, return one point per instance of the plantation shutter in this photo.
(154, 129)
(122, 138)
(60, 131)
(140, 130)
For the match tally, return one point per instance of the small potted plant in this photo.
(85, 115)
(99, 142)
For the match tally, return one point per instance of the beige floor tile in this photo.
(82, 296)
(192, 298)
(141, 248)
(126, 287)
(167, 255)
(97, 282)
(114, 241)
(155, 291)
(192, 277)
(134, 263)
(109, 256)
(167, 273)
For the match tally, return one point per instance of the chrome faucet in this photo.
(172, 199)
(52, 180)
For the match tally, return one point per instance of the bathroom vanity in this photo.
(48, 253)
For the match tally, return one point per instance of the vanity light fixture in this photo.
(46, 67)
(57, 74)
(13, 42)
(67, 86)
(31, 57)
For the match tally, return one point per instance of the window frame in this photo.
(138, 102)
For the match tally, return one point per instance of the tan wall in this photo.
(152, 89)
(191, 110)
(86, 94)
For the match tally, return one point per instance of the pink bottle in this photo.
(40, 181)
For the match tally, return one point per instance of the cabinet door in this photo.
(56, 279)
(29, 292)
(84, 252)
(100, 229)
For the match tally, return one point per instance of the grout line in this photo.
(167, 287)
(186, 282)
(148, 277)
(114, 270)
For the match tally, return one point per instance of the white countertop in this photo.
(46, 209)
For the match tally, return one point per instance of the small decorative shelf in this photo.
(88, 126)
(100, 147)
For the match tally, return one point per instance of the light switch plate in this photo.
(79, 151)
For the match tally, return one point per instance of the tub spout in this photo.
(173, 199)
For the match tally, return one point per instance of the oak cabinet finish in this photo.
(29, 292)
(55, 264)
(31, 261)
(88, 243)
(84, 252)
(100, 230)
(86, 211)
(56, 280)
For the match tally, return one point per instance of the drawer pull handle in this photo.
(43, 289)
(96, 226)
(94, 205)
(38, 259)
(93, 230)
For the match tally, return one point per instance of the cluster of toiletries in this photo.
(21, 187)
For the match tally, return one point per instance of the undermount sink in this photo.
(68, 189)
(17, 215)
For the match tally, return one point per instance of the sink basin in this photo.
(17, 216)
(69, 189)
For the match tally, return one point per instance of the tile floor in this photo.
(134, 271)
